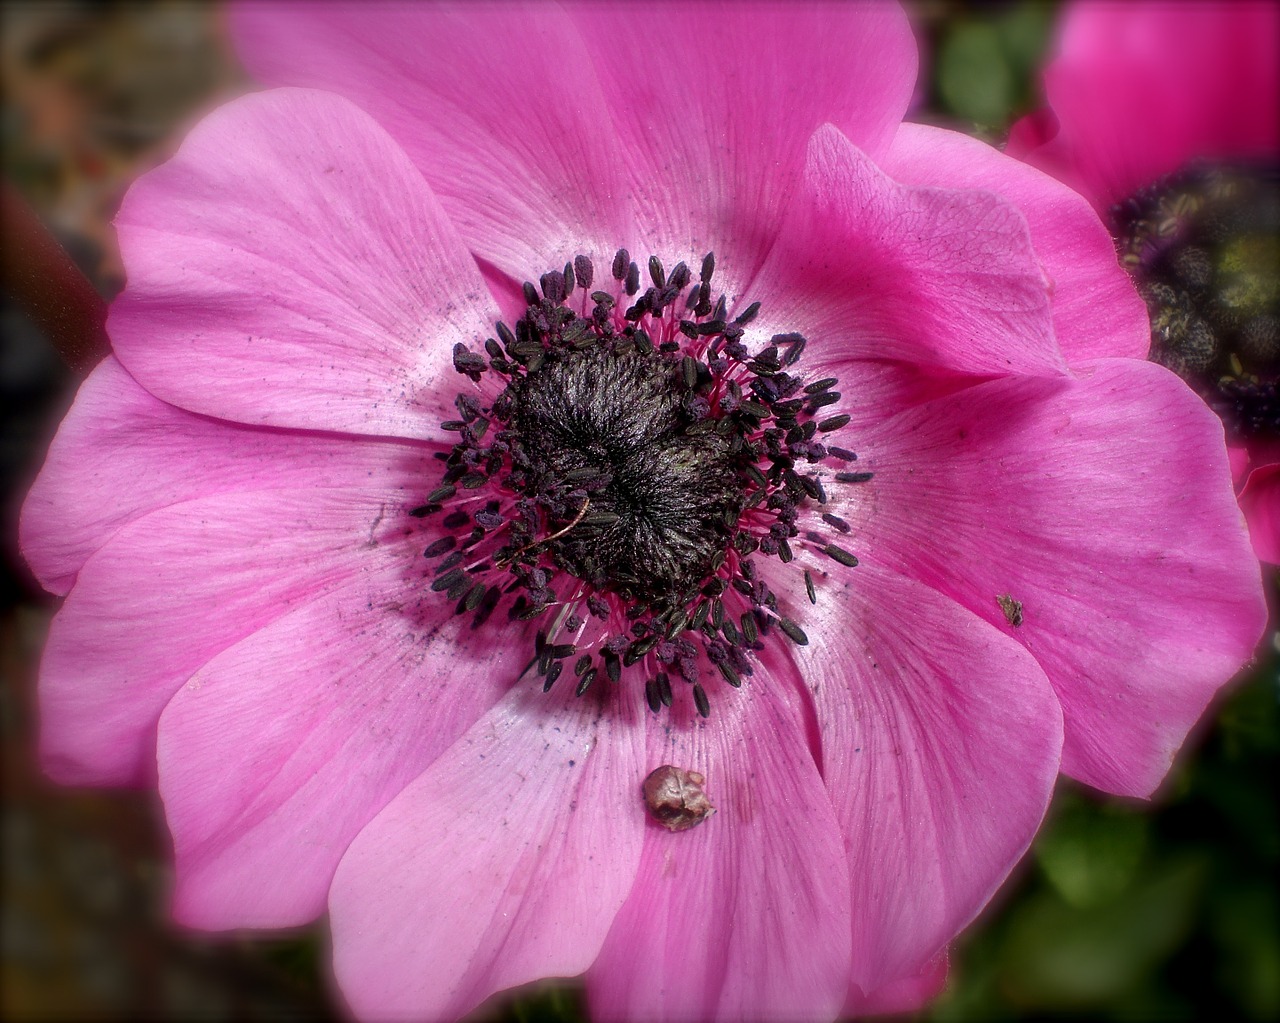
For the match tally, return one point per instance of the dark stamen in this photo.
(840, 555)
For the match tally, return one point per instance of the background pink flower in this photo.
(328, 733)
(1141, 93)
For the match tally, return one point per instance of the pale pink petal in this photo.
(869, 269)
(1260, 502)
(168, 592)
(940, 746)
(504, 862)
(1122, 543)
(1140, 89)
(117, 434)
(679, 128)
(1096, 309)
(269, 283)
(499, 106)
(713, 105)
(745, 916)
(277, 752)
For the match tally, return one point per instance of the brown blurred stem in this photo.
(44, 282)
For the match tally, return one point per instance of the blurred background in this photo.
(1121, 911)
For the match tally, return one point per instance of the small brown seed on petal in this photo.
(675, 798)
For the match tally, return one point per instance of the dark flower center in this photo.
(634, 457)
(658, 497)
(1203, 246)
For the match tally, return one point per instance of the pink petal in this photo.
(1239, 460)
(714, 117)
(870, 269)
(172, 590)
(1139, 593)
(547, 132)
(1096, 309)
(745, 916)
(499, 106)
(504, 862)
(282, 748)
(1260, 502)
(1140, 89)
(940, 748)
(270, 284)
(907, 995)
(117, 434)
(1036, 129)
(875, 390)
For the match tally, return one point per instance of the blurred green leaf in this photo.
(974, 75)
(1056, 955)
(1245, 923)
(1024, 31)
(1250, 721)
(987, 68)
(1091, 852)
(548, 1002)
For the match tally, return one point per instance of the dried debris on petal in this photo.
(675, 798)
(1012, 609)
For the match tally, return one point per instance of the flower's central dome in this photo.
(1204, 246)
(622, 457)
(660, 493)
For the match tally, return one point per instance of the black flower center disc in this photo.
(659, 498)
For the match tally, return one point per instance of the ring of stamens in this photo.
(636, 462)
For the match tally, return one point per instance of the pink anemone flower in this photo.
(713, 623)
(1167, 117)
